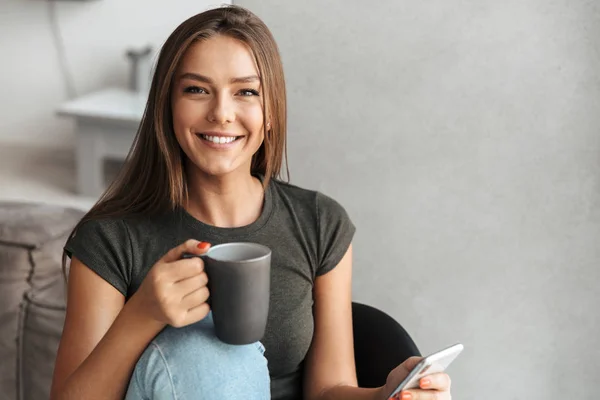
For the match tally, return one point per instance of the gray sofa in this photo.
(32, 295)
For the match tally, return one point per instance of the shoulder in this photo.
(120, 226)
(94, 234)
(106, 241)
(321, 205)
(331, 225)
(114, 232)
(102, 226)
(293, 192)
(103, 244)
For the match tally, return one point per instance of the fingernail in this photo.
(425, 383)
(406, 396)
(203, 245)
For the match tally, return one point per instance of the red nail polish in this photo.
(203, 245)
(406, 396)
(425, 383)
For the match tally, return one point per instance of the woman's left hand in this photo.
(432, 387)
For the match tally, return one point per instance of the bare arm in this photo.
(103, 336)
(330, 372)
(102, 339)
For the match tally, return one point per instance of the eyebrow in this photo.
(206, 79)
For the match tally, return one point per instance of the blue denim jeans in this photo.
(192, 363)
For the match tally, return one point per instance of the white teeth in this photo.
(219, 139)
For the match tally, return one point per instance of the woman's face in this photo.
(217, 106)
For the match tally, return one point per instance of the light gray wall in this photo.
(96, 35)
(463, 138)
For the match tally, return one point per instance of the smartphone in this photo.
(432, 364)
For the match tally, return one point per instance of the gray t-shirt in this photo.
(307, 232)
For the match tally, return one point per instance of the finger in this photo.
(197, 313)
(189, 285)
(195, 299)
(181, 270)
(439, 381)
(411, 362)
(402, 370)
(417, 394)
(191, 246)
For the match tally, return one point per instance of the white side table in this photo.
(106, 124)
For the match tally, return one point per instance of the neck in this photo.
(227, 201)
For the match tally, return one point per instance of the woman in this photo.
(204, 166)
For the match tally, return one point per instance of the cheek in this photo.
(184, 113)
(253, 118)
(185, 117)
(181, 123)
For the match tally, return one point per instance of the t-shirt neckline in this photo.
(262, 220)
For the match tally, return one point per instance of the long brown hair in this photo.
(153, 178)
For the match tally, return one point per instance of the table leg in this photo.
(90, 167)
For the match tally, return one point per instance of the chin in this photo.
(219, 170)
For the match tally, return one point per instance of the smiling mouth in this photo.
(219, 139)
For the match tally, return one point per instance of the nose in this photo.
(222, 110)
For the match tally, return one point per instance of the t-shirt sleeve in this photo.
(336, 231)
(104, 246)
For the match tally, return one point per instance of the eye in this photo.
(248, 92)
(194, 90)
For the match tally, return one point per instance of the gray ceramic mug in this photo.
(239, 282)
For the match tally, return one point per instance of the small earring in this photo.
(268, 125)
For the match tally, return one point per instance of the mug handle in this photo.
(188, 255)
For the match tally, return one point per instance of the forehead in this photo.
(219, 56)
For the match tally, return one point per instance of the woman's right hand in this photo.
(174, 291)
